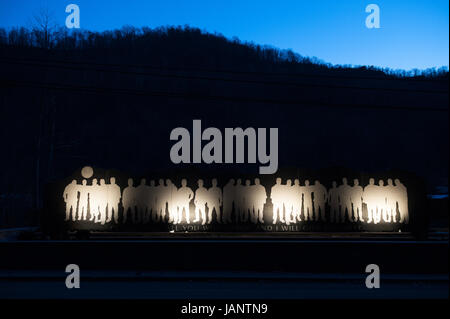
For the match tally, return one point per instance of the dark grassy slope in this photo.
(112, 111)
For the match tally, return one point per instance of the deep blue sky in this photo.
(413, 34)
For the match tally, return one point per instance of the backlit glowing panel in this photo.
(292, 202)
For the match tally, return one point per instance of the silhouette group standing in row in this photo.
(151, 202)
(292, 202)
(289, 199)
(101, 200)
(383, 202)
(248, 201)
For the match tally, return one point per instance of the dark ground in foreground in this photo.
(238, 268)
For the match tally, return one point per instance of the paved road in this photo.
(289, 255)
(224, 268)
(212, 285)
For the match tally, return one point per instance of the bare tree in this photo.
(43, 25)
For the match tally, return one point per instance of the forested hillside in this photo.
(111, 99)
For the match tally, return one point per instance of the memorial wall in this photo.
(291, 201)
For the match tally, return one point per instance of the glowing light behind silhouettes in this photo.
(102, 201)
